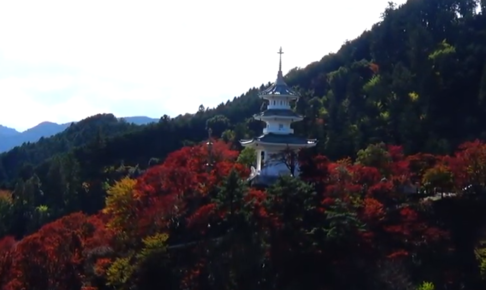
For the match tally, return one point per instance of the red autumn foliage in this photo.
(419, 163)
(175, 198)
(257, 197)
(95, 232)
(314, 168)
(328, 201)
(58, 247)
(373, 211)
(364, 174)
(183, 179)
(383, 191)
(411, 228)
(469, 164)
(186, 171)
(58, 260)
(202, 215)
(101, 266)
(398, 254)
(7, 245)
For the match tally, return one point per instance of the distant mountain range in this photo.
(9, 137)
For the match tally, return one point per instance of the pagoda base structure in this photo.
(273, 157)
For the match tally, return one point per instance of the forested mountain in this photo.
(9, 138)
(139, 120)
(6, 131)
(186, 220)
(417, 79)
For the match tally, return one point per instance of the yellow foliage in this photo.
(444, 50)
(120, 201)
(481, 258)
(413, 96)
(439, 176)
(156, 244)
(426, 286)
(119, 273)
(385, 115)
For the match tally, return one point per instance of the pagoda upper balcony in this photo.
(278, 128)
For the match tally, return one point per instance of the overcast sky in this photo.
(62, 61)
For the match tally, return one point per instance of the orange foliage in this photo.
(4, 194)
(373, 211)
(374, 68)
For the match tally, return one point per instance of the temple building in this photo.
(278, 139)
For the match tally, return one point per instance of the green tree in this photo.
(247, 157)
(218, 124)
(375, 155)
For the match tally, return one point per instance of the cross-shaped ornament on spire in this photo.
(280, 62)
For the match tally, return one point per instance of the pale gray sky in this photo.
(62, 61)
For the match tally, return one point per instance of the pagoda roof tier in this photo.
(285, 113)
(279, 88)
(279, 139)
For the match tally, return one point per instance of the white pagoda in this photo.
(278, 136)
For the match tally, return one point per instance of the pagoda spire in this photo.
(279, 87)
(280, 74)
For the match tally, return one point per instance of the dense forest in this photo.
(111, 205)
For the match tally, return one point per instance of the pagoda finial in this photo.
(280, 63)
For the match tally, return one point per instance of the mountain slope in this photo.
(6, 131)
(9, 138)
(77, 134)
(140, 120)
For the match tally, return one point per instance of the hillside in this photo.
(6, 131)
(106, 204)
(10, 138)
(181, 226)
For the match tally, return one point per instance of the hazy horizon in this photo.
(63, 61)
